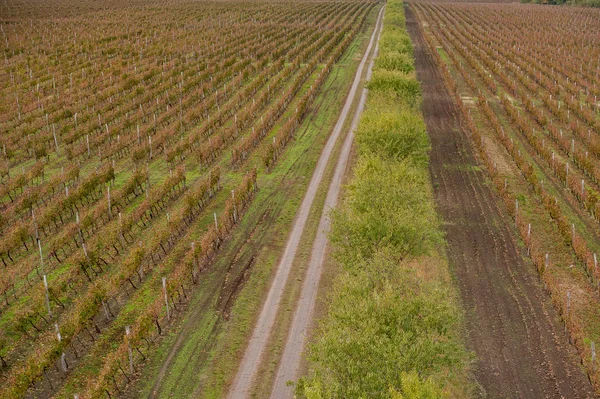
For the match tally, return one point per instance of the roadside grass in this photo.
(271, 357)
(393, 323)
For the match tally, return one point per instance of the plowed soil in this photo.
(522, 351)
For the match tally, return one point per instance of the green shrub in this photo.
(403, 84)
(394, 61)
(389, 332)
(387, 204)
(393, 135)
(386, 331)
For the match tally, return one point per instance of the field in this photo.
(324, 198)
(525, 81)
(133, 138)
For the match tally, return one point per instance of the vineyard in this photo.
(133, 140)
(526, 80)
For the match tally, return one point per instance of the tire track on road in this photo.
(245, 376)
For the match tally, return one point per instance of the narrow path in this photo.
(252, 357)
(289, 364)
(521, 350)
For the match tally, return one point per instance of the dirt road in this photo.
(251, 361)
(289, 364)
(511, 325)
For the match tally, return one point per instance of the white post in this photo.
(57, 332)
(547, 263)
(216, 223)
(47, 295)
(164, 284)
(127, 332)
(593, 356)
(582, 188)
(54, 134)
(41, 257)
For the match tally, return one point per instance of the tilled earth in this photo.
(522, 352)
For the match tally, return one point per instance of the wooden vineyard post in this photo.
(47, 295)
(130, 352)
(55, 140)
(568, 310)
(234, 206)
(87, 141)
(108, 199)
(63, 362)
(593, 347)
(194, 263)
(528, 238)
(106, 311)
(164, 284)
(121, 237)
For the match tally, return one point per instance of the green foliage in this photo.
(390, 332)
(415, 388)
(393, 135)
(395, 41)
(384, 323)
(394, 61)
(404, 85)
(388, 204)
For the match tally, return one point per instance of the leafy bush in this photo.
(394, 61)
(392, 330)
(387, 205)
(404, 85)
(393, 135)
(384, 331)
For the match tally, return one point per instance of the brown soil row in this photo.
(521, 350)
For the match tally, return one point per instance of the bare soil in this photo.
(522, 351)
